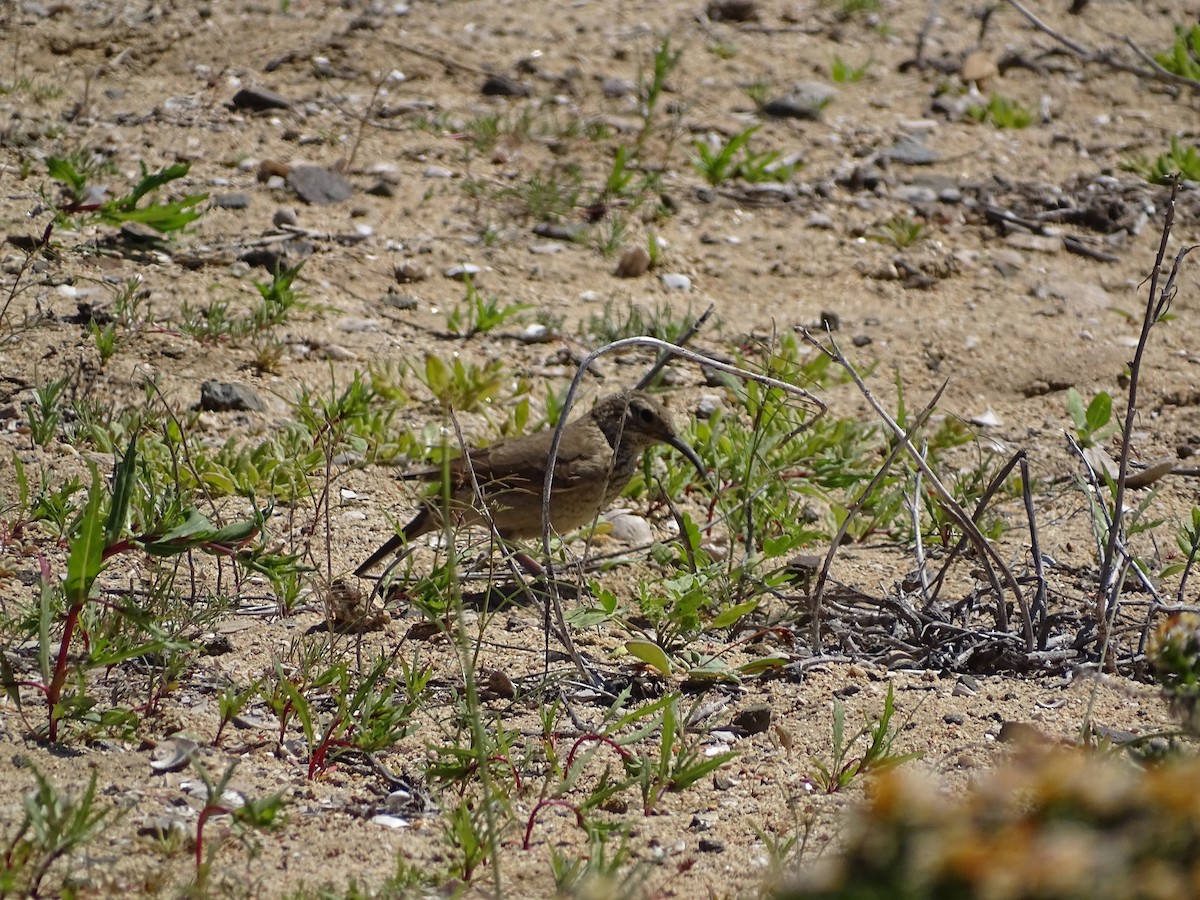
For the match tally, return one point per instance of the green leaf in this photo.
(1099, 411)
(756, 666)
(124, 478)
(1075, 408)
(651, 654)
(731, 615)
(86, 556)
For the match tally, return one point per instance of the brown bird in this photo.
(597, 456)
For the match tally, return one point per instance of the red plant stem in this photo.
(516, 775)
(208, 810)
(543, 805)
(54, 691)
(593, 736)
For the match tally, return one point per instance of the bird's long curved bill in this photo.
(682, 446)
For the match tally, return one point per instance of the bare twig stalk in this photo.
(1108, 58)
(1157, 304)
(987, 553)
(823, 577)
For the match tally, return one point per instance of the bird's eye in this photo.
(646, 415)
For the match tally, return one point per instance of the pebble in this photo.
(231, 201)
(732, 11)
(503, 86)
(711, 845)
(318, 185)
(221, 396)
(438, 172)
(633, 263)
(399, 301)
(754, 719)
(953, 718)
(629, 528)
(673, 281)
(409, 271)
(807, 100)
(548, 248)
(461, 271)
(285, 215)
(259, 99)
(384, 187)
(914, 194)
(910, 152)
(707, 406)
(819, 220)
(612, 88)
(559, 232)
(537, 333)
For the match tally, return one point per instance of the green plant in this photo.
(719, 162)
(462, 386)
(53, 824)
(106, 340)
(479, 315)
(650, 89)
(876, 757)
(1093, 423)
(1002, 113)
(1181, 161)
(43, 411)
(80, 197)
(843, 72)
(899, 231)
(1184, 56)
(248, 814)
(758, 92)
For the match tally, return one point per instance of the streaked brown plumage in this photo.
(597, 456)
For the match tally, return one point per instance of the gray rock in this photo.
(399, 301)
(222, 396)
(259, 99)
(732, 11)
(674, 281)
(318, 185)
(807, 101)
(910, 152)
(231, 201)
(285, 215)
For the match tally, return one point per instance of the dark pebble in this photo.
(503, 86)
(258, 99)
(319, 186)
(953, 718)
(222, 396)
(711, 845)
(753, 719)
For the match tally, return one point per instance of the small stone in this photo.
(634, 263)
(221, 396)
(537, 333)
(503, 86)
(861, 340)
(384, 187)
(548, 248)
(707, 406)
(462, 271)
(629, 528)
(910, 152)
(754, 719)
(318, 186)
(258, 99)
(285, 215)
(231, 201)
(674, 281)
(915, 193)
(732, 11)
(711, 845)
(612, 88)
(722, 782)
(806, 100)
(353, 325)
(819, 220)
(140, 233)
(559, 232)
(953, 718)
(438, 172)
(409, 272)
(399, 301)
